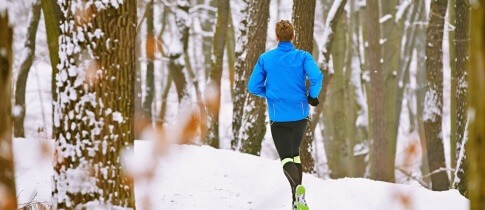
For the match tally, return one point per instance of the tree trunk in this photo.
(337, 146)
(323, 59)
(462, 10)
(405, 62)
(150, 49)
(21, 83)
(391, 34)
(166, 91)
(52, 16)
(207, 24)
(381, 168)
(239, 95)
(433, 101)
(249, 112)
(182, 20)
(215, 74)
(476, 108)
(7, 174)
(452, 51)
(421, 89)
(354, 98)
(230, 50)
(168, 83)
(94, 110)
(303, 19)
(176, 55)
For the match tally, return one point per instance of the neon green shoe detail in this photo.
(300, 198)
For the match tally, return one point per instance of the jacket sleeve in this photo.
(314, 75)
(256, 84)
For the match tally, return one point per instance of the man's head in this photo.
(284, 31)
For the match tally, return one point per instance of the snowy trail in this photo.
(200, 177)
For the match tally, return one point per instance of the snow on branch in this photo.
(439, 170)
(385, 18)
(328, 33)
(401, 9)
(202, 7)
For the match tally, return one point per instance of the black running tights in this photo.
(287, 138)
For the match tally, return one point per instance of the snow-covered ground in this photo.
(200, 177)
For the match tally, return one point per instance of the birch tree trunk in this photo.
(433, 102)
(95, 105)
(216, 70)
(21, 83)
(249, 112)
(7, 174)
(476, 108)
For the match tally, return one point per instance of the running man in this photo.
(280, 77)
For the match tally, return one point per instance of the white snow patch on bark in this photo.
(431, 106)
(117, 117)
(385, 18)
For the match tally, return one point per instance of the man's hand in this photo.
(313, 101)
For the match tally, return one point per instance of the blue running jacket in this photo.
(279, 76)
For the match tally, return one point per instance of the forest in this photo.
(87, 83)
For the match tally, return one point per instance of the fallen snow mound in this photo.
(201, 177)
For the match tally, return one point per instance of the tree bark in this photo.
(421, 89)
(166, 91)
(7, 174)
(95, 108)
(405, 62)
(176, 55)
(215, 74)
(28, 56)
(381, 167)
(303, 20)
(476, 107)
(433, 101)
(462, 10)
(356, 134)
(168, 83)
(249, 112)
(391, 34)
(452, 52)
(337, 146)
(150, 49)
(230, 50)
(52, 16)
(207, 25)
(323, 59)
